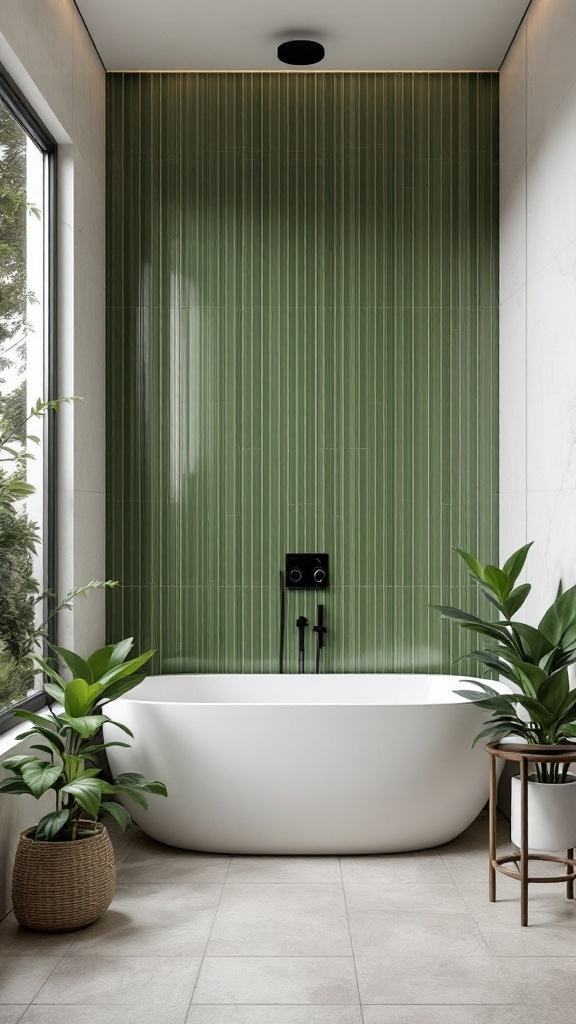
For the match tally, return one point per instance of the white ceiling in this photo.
(382, 35)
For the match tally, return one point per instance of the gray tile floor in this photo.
(200, 939)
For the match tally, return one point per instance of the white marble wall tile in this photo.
(551, 196)
(551, 375)
(551, 523)
(513, 393)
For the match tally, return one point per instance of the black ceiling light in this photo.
(300, 52)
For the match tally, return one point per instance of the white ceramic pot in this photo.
(551, 814)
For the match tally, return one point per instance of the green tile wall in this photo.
(302, 354)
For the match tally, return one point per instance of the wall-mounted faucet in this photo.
(320, 630)
(301, 624)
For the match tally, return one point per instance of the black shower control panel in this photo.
(307, 572)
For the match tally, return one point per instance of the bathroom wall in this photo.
(302, 355)
(47, 51)
(538, 298)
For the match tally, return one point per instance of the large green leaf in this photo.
(560, 617)
(514, 565)
(76, 698)
(86, 725)
(498, 581)
(120, 651)
(51, 672)
(86, 793)
(99, 661)
(51, 824)
(493, 600)
(41, 776)
(55, 691)
(115, 690)
(14, 785)
(494, 630)
(119, 725)
(128, 668)
(500, 703)
(93, 748)
(495, 732)
(553, 692)
(73, 765)
(134, 793)
(135, 780)
(116, 811)
(526, 673)
(472, 563)
(534, 642)
(516, 599)
(53, 738)
(80, 669)
(457, 614)
(493, 663)
(16, 764)
(40, 720)
(81, 696)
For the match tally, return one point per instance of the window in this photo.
(27, 270)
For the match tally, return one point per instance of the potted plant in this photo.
(64, 872)
(541, 708)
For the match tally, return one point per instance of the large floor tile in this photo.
(399, 899)
(280, 920)
(433, 979)
(548, 982)
(377, 933)
(81, 1013)
(274, 1015)
(552, 921)
(145, 860)
(284, 869)
(11, 1014)
(18, 941)
(458, 1015)
(22, 977)
(152, 920)
(149, 983)
(275, 979)
(396, 868)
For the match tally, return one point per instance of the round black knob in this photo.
(295, 575)
(319, 575)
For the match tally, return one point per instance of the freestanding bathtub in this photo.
(304, 764)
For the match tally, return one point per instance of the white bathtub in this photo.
(304, 764)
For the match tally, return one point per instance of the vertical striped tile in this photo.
(302, 343)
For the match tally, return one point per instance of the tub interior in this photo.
(305, 689)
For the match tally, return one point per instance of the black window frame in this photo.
(17, 104)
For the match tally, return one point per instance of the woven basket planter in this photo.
(58, 887)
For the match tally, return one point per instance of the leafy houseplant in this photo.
(70, 745)
(541, 709)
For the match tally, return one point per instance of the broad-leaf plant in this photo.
(70, 745)
(541, 708)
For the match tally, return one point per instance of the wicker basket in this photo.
(58, 887)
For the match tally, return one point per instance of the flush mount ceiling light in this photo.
(300, 52)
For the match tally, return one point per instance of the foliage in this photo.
(14, 208)
(71, 743)
(19, 597)
(542, 707)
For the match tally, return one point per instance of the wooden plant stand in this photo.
(525, 755)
